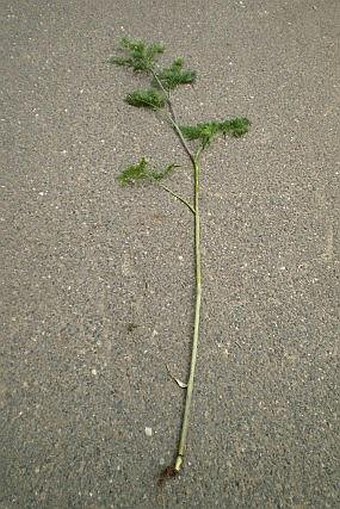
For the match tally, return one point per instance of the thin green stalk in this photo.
(198, 277)
(179, 461)
(183, 200)
(198, 274)
(172, 117)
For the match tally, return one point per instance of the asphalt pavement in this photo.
(97, 280)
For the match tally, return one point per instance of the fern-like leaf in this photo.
(175, 75)
(206, 132)
(143, 173)
(150, 98)
(139, 55)
(236, 127)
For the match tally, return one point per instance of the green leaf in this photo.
(175, 75)
(140, 56)
(206, 132)
(236, 127)
(143, 173)
(149, 98)
(164, 173)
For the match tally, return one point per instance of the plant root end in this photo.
(168, 473)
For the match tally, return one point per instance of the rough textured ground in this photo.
(97, 282)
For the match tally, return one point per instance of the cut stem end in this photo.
(171, 471)
(168, 473)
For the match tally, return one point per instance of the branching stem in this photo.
(183, 200)
(195, 160)
(172, 117)
(142, 57)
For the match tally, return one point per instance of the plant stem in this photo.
(195, 160)
(183, 200)
(198, 273)
(173, 121)
(172, 117)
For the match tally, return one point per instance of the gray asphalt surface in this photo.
(97, 285)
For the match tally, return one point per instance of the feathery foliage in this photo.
(175, 75)
(143, 172)
(150, 98)
(207, 131)
(236, 127)
(140, 56)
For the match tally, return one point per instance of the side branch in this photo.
(172, 118)
(183, 200)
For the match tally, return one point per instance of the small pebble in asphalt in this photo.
(148, 432)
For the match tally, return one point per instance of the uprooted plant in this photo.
(195, 139)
